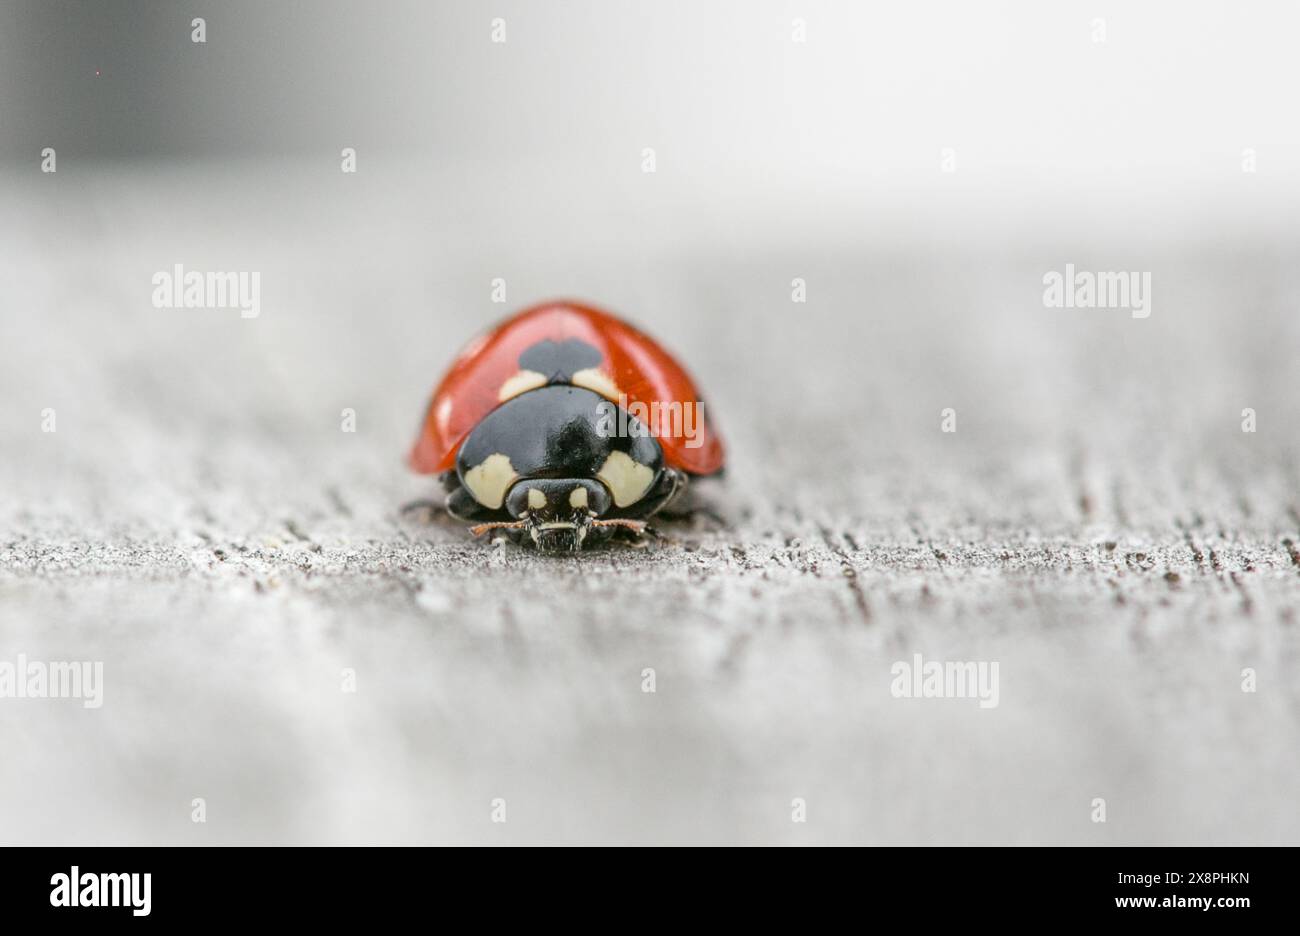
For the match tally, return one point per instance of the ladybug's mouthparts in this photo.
(559, 515)
(559, 537)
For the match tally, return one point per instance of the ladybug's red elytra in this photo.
(564, 426)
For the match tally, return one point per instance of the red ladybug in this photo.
(563, 426)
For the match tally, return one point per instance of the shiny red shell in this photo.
(635, 363)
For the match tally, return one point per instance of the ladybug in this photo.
(562, 427)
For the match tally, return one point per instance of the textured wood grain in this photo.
(1098, 524)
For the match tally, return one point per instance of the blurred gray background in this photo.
(1098, 524)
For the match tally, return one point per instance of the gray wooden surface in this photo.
(1098, 524)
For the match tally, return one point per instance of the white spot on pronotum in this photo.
(199, 812)
(521, 382)
(1098, 809)
(348, 420)
(597, 381)
(349, 680)
(48, 161)
(488, 481)
(1248, 679)
(1248, 420)
(498, 810)
(536, 499)
(578, 498)
(200, 31)
(626, 479)
(798, 809)
(349, 155)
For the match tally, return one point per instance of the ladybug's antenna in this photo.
(482, 528)
(636, 526)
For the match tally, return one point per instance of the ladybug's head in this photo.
(547, 469)
(557, 513)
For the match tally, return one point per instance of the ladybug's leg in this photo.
(670, 487)
(423, 506)
(426, 507)
(635, 532)
(461, 505)
(685, 505)
(630, 524)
